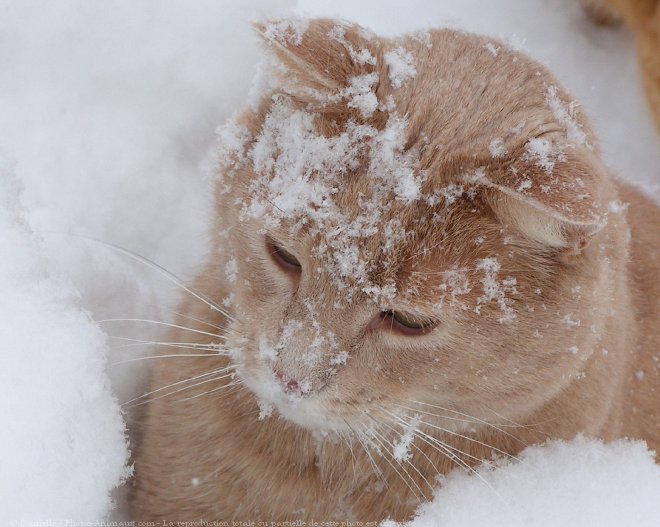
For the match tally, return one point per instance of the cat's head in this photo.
(407, 224)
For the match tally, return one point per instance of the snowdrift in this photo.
(579, 483)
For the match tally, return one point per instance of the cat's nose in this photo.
(292, 386)
(288, 384)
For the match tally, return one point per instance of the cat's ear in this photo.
(557, 203)
(319, 55)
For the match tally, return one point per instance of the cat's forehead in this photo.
(362, 237)
(355, 196)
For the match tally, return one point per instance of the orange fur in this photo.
(555, 353)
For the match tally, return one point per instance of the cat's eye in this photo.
(408, 323)
(283, 257)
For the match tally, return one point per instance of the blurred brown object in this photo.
(643, 17)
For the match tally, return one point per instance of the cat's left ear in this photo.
(320, 56)
(557, 202)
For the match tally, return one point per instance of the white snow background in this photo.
(107, 115)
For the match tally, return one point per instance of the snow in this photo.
(401, 451)
(598, 66)
(339, 359)
(492, 49)
(109, 111)
(362, 57)
(62, 438)
(543, 152)
(617, 207)
(565, 114)
(496, 148)
(360, 94)
(231, 268)
(299, 170)
(494, 289)
(401, 67)
(581, 483)
(289, 31)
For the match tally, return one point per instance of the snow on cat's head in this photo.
(406, 221)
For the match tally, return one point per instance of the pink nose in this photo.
(292, 386)
(289, 385)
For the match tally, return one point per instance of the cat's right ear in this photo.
(319, 55)
(562, 208)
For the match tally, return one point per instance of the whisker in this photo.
(195, 345)
(201, 321)
(157, 322)
(453, 450)
(392, 447)
(206, 374)
(450, 432)
(519, 425)
(416, 447)
(376, 469)
(442, 448)
(252, 410)
(177, 345)
(256, 411)
(150, 357)
(182, 389)
(224, 386)
(349, 444)
(449, 452)
(471, 419)
(380, 450)
(439, 446)
(449, 418)
(153, 265)
(486, 445)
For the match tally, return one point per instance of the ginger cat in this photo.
(643, 17)
(418, 261)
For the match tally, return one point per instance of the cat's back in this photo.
(644, 269)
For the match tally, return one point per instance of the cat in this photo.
(418, 261)
(643, 17)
